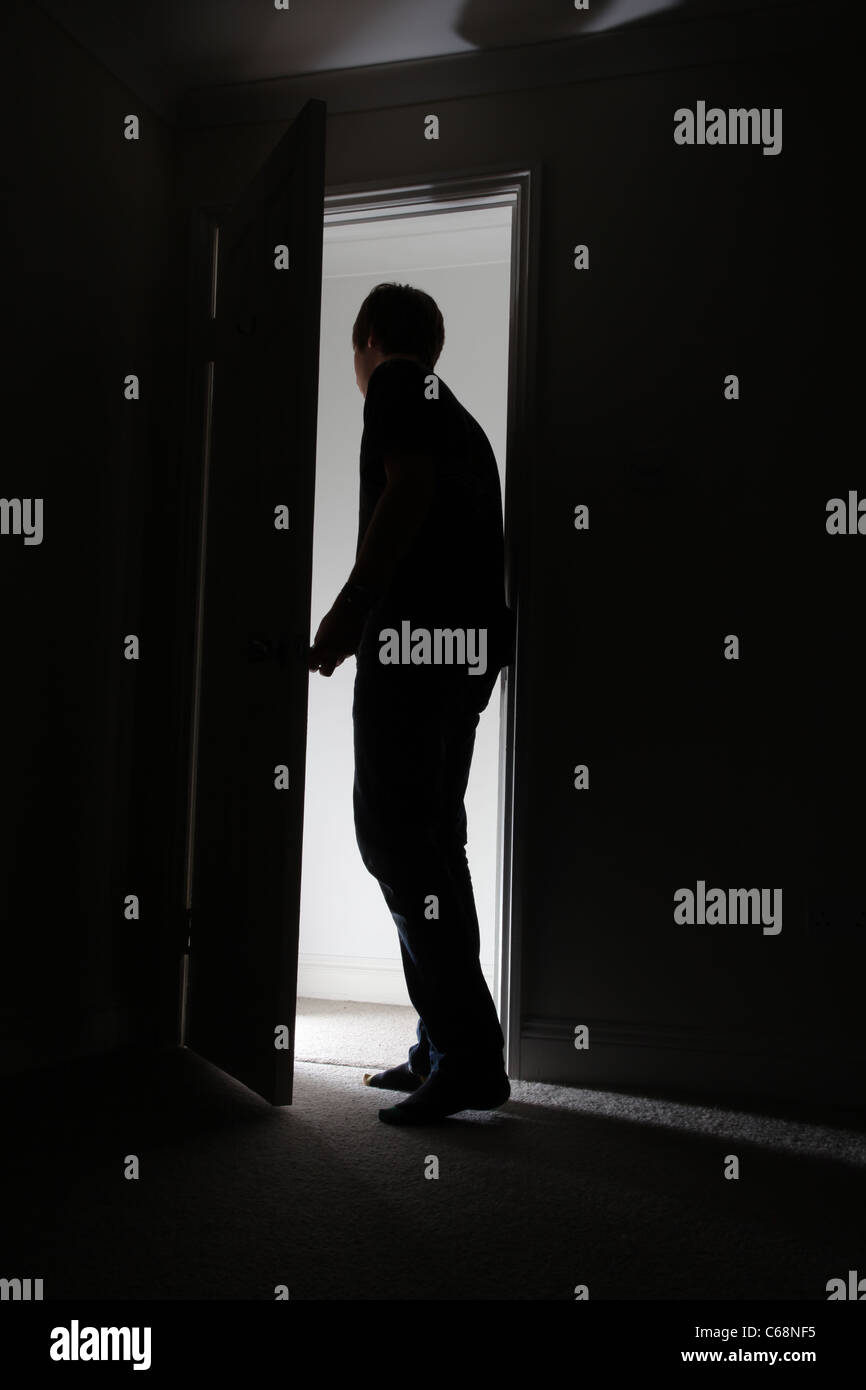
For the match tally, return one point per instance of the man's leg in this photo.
(476, 1080)
(412, 759)
(458, 748)
(420, 1063)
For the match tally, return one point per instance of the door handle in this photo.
(291, 646)
(259, 648)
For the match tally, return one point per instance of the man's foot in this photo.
(441, 1096)
(400, 1078)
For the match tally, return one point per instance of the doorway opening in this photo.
(460, 244)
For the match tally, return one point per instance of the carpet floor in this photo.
(562, 1186)
(349, 1034)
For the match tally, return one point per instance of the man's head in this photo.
(396, 321)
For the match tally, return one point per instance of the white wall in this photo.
(348, 940)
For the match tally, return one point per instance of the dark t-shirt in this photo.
(453, 574)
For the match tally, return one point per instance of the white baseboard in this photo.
(367, 979)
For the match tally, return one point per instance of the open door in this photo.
(250, 720)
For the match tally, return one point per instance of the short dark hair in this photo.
(402, 319)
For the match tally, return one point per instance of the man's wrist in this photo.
(358, 596)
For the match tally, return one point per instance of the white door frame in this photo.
(453, 192)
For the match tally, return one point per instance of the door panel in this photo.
(255, 620)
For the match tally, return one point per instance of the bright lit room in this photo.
(353, 1007)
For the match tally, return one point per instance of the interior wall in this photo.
(93, 287)
(707, 518)
(348, 942)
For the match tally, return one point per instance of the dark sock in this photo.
(400, 1078)
(443, 1095)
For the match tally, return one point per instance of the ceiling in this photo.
(162, 49)
(424, 241)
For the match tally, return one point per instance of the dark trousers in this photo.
(414, 735)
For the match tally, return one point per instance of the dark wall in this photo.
(93, 290)
(707, 518)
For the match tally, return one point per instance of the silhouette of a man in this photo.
(429, 560)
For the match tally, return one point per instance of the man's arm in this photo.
(396, 520)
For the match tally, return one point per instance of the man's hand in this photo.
(337, 637)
